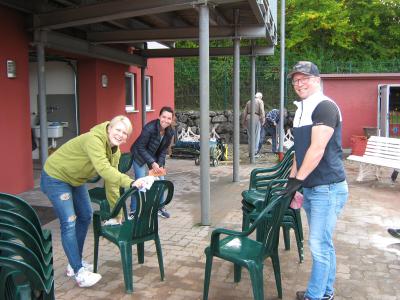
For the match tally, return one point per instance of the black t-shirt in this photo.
(326, 113)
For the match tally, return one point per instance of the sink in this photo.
(54, 130)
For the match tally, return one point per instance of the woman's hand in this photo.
(137, 183)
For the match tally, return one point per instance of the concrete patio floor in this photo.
(368, 258)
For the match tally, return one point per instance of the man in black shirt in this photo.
(318, 168)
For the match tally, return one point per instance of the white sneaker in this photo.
(70, 272)
(85, 278)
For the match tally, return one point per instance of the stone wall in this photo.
(222, 121)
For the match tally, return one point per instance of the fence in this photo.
(267, 80)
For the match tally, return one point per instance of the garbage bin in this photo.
(369, 131)
(358, 144)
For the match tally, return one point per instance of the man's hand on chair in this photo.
(292, 186)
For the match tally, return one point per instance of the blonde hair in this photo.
(124, 120)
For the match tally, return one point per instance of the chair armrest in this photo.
(121, 203)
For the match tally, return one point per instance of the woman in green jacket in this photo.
(64, 178)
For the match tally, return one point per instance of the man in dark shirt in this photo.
(318, 168)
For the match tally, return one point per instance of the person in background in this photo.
(258, 121)
(318, 169)
(64, 178)
(150, 149)
(270, 127)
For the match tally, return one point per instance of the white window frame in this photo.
(131, 107)
(149, 98)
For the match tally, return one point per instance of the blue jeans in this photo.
(323, 205)
(73, 208)
(272, 132)
(140, 171)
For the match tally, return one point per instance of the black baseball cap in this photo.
(304, 67)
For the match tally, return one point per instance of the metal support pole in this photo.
(236, 106)
(143, 84)
(252, 110)
(44, 143)
(204, 53)
(282, 83)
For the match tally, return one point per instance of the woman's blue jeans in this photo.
(140, 171)
(73, 208)
(323, 204)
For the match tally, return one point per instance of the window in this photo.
(130, 98)
(148, 82)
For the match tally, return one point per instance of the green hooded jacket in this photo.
(86, 156)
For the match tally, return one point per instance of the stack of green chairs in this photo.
(260, 184)
(243, 251)
(26, 253)
(98, 194)
(137, 230)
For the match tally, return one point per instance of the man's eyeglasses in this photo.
(301, 80)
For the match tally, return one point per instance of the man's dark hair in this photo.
(167, 109)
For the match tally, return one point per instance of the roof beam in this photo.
(112, 10)
(22, 5)
(220, 51)
(59, 41)
(173, 34)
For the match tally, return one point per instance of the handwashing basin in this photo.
(54, 130)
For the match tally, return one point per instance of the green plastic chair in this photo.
(20, 206)
(243, 251)
(98, 194)
(14, 233)
(143, 227)
(10, 217)
(260, 179)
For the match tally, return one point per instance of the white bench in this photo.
(380, 152)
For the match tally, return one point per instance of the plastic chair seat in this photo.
(239, 249)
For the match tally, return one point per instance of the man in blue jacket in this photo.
(150, 149)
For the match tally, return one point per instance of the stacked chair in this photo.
(98, 194)
(262, 181)
(137, 230)
(243, 251)
(26, 253)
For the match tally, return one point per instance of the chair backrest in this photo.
(20, 206)
(125, 162)
(19, 252)
(145, 221)
(10, 217)
(12, 232)
(269, 220)
(283, 171)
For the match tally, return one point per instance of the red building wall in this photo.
(16, 145)
(357, 97)
(98, 104)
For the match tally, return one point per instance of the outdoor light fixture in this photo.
(104, 80)
(11, 69)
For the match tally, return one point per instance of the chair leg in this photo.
(300, 247)
(245, 222)
(207, 275)
(286, 236)
(140, 251)
(159, 256)
(257, 282)
(277, 273)
(126, 260)
(96, 252)
(237, 272)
